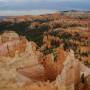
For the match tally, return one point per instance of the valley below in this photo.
(45, 52)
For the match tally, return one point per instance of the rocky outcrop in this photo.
(25, 67)
(15, 54)
(48, 67)
(63, 80)
(9, 36)
(12, 43)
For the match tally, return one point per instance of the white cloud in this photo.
(32, 12)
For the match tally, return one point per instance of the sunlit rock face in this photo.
(31, 65)
(54, 64)
(47, 68)
(11, 43)
(9, 36)
(15, 54)
(35, 72)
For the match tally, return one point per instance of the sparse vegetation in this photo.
(43, 42)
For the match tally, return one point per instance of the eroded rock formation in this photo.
(24, 67)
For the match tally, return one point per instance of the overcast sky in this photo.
(39, 0)
(7, 6)
(35, 1)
